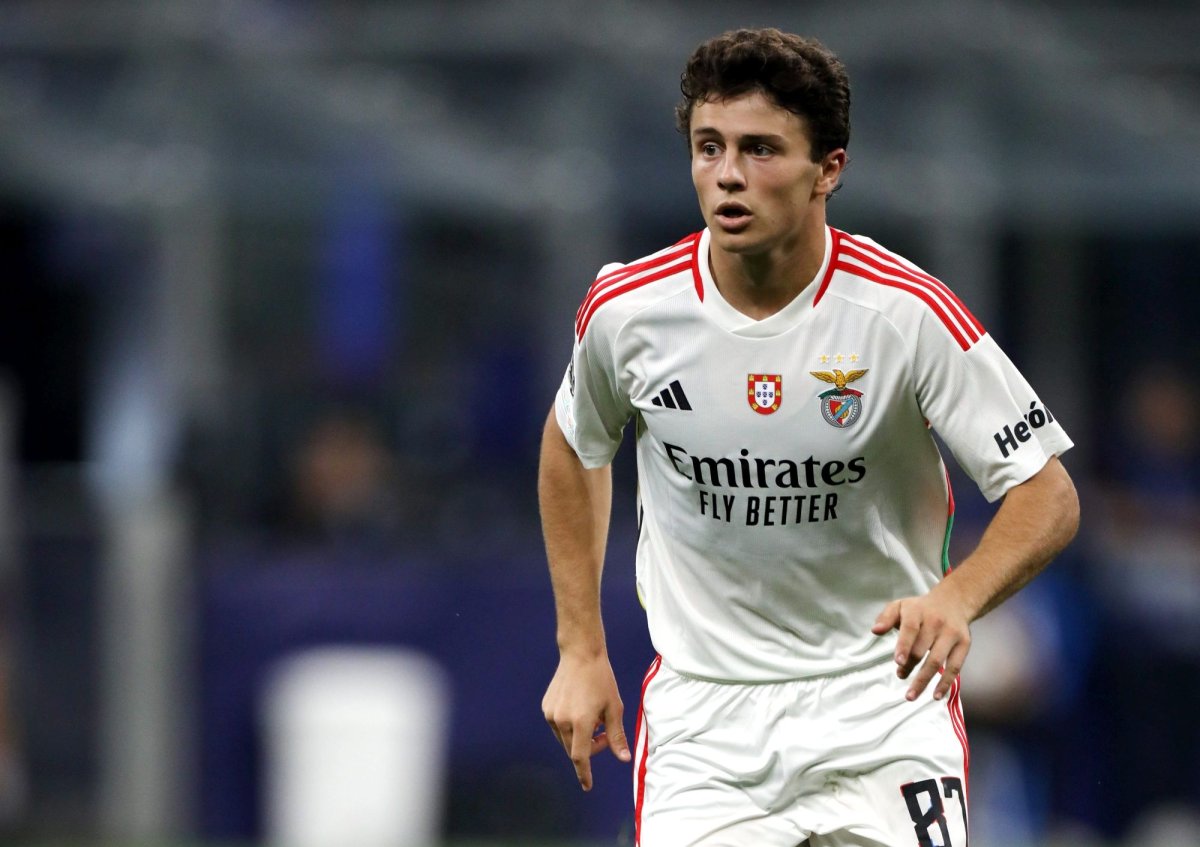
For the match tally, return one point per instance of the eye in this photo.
(709, 148)
(760, 150)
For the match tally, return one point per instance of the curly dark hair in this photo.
(797, 74)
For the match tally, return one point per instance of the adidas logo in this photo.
(673, 397)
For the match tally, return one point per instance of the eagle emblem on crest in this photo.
(840, 406)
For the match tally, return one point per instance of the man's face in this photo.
(754, 174)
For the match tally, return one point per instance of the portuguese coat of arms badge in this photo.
(765, 392)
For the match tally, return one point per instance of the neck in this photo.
(760, 284)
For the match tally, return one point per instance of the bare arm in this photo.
(575, 505)
(1037, 519)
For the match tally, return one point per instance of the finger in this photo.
(888, 619)
(581, 756)
(910, 626)
(920, 682)
(922, 645)
(932, 665)
(944, 684)
(953, 667)
(548, 714)
(615, 730)
(563, 730)
(558, 733)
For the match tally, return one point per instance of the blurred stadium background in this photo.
(288, 287)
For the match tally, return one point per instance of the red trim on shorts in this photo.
(954, 704)
(641, 743)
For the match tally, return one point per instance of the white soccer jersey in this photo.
(789, 484)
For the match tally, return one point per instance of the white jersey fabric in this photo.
(789, 483)
(828, 761)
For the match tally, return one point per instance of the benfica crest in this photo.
(840, 406)
(765, 392)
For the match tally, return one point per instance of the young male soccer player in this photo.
(783, 378)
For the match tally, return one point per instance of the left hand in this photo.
(933, 627)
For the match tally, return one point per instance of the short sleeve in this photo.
(999, 430)
(590, 407)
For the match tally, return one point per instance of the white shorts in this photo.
(839, 761)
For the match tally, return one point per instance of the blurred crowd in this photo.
(1081, 699)
(332, 369)
(1080, 693)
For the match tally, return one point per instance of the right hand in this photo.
(584, 710)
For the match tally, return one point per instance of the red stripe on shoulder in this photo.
(625, 286)
(911, 288)
(666, 263)
(657, 260)
(612, 278)
(891, 263)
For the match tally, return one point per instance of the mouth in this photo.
(733, 215)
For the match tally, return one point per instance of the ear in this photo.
(831, 172)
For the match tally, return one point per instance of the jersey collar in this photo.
(717, 309)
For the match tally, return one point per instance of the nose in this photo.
(730, 176)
